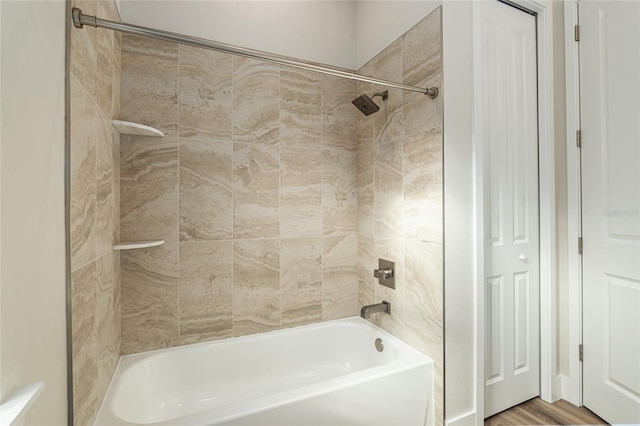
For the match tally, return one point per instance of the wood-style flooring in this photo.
(537, 412)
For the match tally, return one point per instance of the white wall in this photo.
(340, 33)
(380, 23)
(32, 265)
(319, 31)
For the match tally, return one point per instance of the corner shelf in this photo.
(129, 128)
(132, 245)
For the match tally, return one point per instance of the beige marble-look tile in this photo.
(339, 276)
(300, 192)
(150, 298)
(85, 368)
(206, 291)
(388, 120)
(388, 203)
(256, 102)
(423, 307)
(148, 188)
(301, 281)
(422, 186)
(105, 196)
(424, 298)
(117, 75)
(206, 96)
(390, 250)
(366, 265)
(84, 53)
(365, 168)
(338, 114)
(422, 50)
(206, 176)
(107, 321)
(149, 84)
(422, 66)
(105, 65)
(339, 190)
(300, 108)
(84, 135)
(256, 188)
(256, 286)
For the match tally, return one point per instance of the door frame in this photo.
(571, 385)
(547, 211)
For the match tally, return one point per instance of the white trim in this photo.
(574, 222)
(467, 419)
(563, 386)
(548, 258)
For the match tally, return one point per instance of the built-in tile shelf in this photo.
(132, 245)
(129, 128)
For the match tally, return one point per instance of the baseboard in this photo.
(468, 419)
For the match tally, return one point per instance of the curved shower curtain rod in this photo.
(80, 20)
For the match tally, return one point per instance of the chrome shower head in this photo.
(366, 105)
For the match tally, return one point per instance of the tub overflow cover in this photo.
(379, 345)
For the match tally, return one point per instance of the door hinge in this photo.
(579, 245)
(576, 31)
(581, 352)
(578, 138)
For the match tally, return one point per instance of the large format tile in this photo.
(367, 263)
(388, 203)
(148, 188)
(256, 101)
(256, 188)
(84, 135)
(339, 190)
(256, 286)
(206, 95)
(388, 120)
(339, 276)
(301, 281)
(300, 191)
(300, 108)
(206, 291)
(105, 195)
(107, 319)
(85, 368)
(423, 308)
(150, 298)
(206, 204)
(84, 54)
(149, 84)
(422, 67)
(338, 114)
(422, 186)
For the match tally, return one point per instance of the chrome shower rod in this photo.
(80, 20)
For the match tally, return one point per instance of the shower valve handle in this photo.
(383, 274)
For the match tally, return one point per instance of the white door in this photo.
(509, 133)
(610, 121)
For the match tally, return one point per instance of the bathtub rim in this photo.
(412, 359)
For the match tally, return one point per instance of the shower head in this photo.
(366, 105)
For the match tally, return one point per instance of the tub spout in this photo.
(367, 310)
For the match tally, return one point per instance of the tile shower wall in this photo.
(95, 268)
(400, 198)
(253, 188)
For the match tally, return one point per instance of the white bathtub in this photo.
(328, 373)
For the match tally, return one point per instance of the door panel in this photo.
(610, 116)
(509, 133)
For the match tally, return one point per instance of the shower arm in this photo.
(80, 20)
